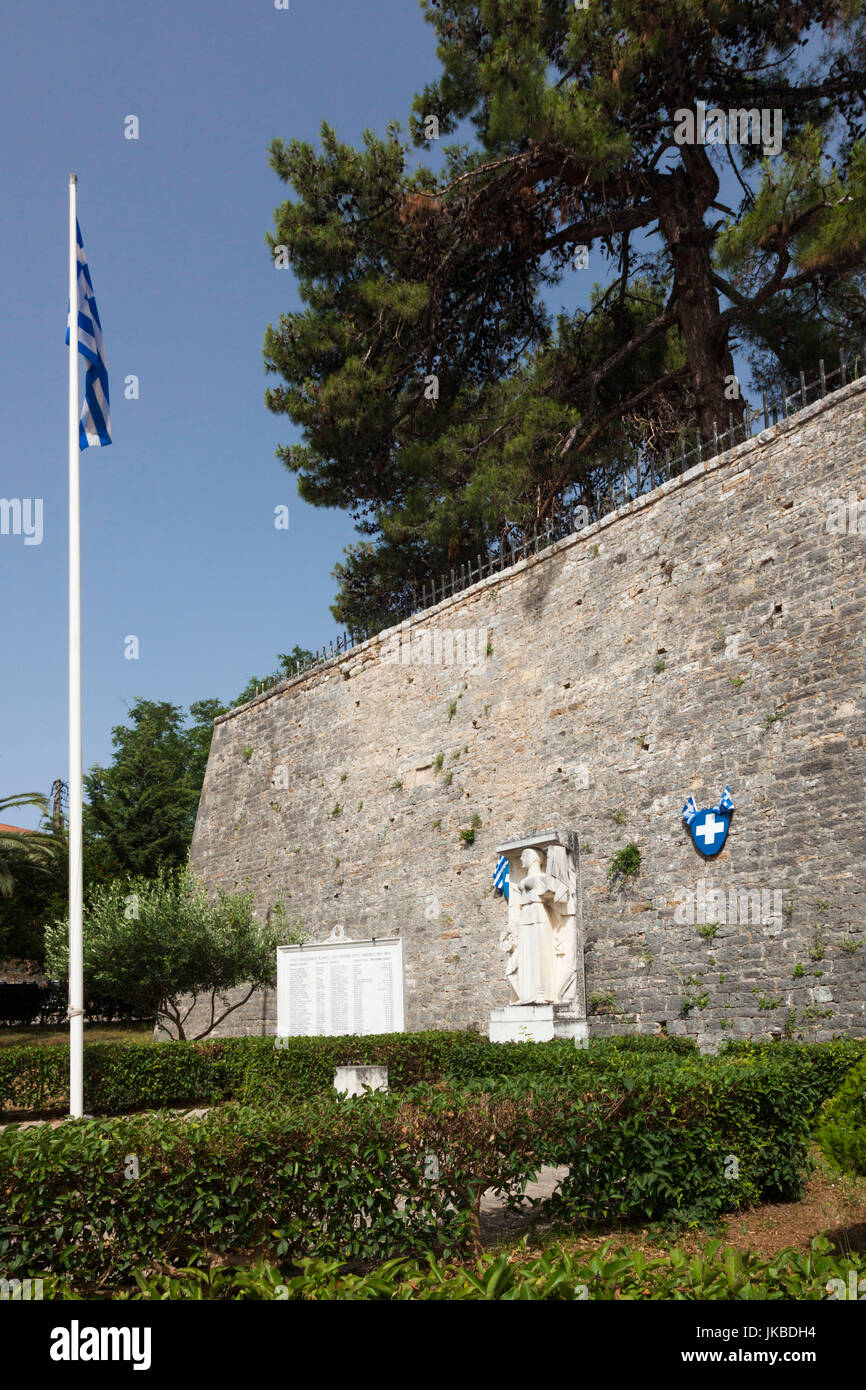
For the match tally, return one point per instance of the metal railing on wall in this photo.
(779, 403)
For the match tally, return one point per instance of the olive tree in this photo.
(158, 945)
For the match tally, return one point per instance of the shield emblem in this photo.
(709, 830)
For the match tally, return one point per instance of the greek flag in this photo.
(690, 810)
(95, 423)
(500, 875)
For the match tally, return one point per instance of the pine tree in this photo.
(141, 809)
(439, 400)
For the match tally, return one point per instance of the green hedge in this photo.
(124, 1076)
(841, 1131)
(100, 1200)
(647, 1139)
(828, 1063)
(663, 1043)
(692, 1139)
(138, 1075)
(562, 1059)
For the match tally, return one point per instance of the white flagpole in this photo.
(76, 886)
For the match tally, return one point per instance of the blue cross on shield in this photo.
(710, 830)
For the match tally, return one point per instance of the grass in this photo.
(50, 1034)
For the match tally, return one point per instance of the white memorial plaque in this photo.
(340, 987)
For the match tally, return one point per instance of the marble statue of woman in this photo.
(535, 951)
(562, 881)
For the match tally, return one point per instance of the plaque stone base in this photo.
(537, 1023)
(354, 1081)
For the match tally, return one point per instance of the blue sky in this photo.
(179, 547)
(178, 542)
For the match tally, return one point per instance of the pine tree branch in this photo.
(585, 232)
(616, 412)
(594, 379)
(750, 197)
(788, 97)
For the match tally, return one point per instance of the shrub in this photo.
(122, 1076)
(625, 863)
(841, 1132)
(680, 1123)
(20, 1003)
(615, 1272)
(332, 1178)
(652, 1043)
(649, 1136)
(826, 1064)
(561, 1058)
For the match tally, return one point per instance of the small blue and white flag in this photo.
(709, 828)
(95, 422)
(500, 875)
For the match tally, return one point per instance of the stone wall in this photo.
(709, 633)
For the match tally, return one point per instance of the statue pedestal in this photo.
(537, 1023)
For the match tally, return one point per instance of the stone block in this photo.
(355, 1080)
